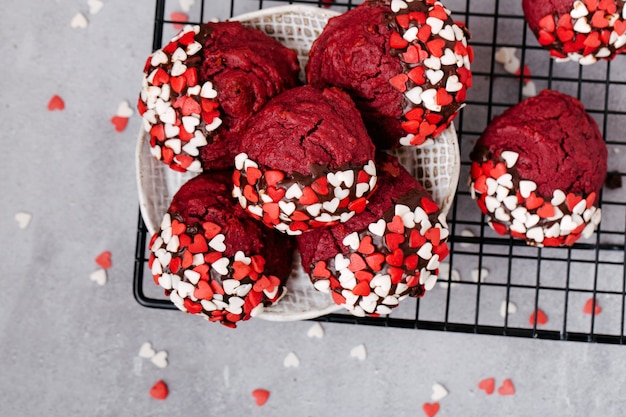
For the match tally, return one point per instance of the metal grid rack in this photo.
(501, 281)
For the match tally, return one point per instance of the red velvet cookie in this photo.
(200, 89)
(406, 64)
(308, 161)
(389, 251)
(212, 259)
(538, 169)
(578, 30)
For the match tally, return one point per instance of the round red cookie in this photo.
(406, 64)
(388, 252)
(580, 30)
(538, 169)
(200, 89)
(212, 259)
(308, 161)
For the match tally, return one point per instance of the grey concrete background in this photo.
(69, 347)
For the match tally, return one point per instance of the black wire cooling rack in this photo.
(493, 285)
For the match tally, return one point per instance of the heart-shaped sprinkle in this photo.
(208, 92)
(260, 396)
(23, 219)
(414, 95)
(104, 259)
(397, 5)
(579, 10)
(99, 276)
(430, 409)
(351, 240)
(358, 352)
(529, 89)
(377, 228)
(479, 274)
(124, 109)
(95, 6)
(56, 103)
(221, 266)
(439, 392)
(180, 18)
(185, 5)
(79, 21)
(291, 360)
(504, 55)
(590, 308)
(316, 331)
(507, 308)
(146, 351)
(159, 359)
(119, 123)
(540, 316)
(217, 243)
(488, 385)
(507, 388)
(159, 390)
(527, 187)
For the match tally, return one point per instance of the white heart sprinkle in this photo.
(312, 209)
(190, 123)
(370, 168)
(124, 109)
(322, 285)
(207, 90)
(396, 5)
(504, 55)
(453, 84)
(23, 219)
(430, 101)
(448, 34)
(287, 208)
(159, 359)
(512, 66)
(221, 266)
(178, 68)
(341, 262)
(439, 392)
(579, 10)
(536, 234)
(240, 160)
(217, 243)
(414, 95)
(185, 5)
(351, 240)
(359, 352)
(99, 276)
(558, 198)
(377, 228)
(529, 89)
(94, 6)
(341, 193)
(582, 26)
(293, 192)
(79, 21)
(146, 351)
(179, 55)
(230, 285)
(291, 361)
(435, 24)
(361, 189)
(507, 308)
(527, 187)
(316, 331)
(159, 57)
(332, 205)
(411, 34)
(510, 158)
(433, 63)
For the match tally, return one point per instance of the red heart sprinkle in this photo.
(363, 276)
(507, 388)
(178, 227)
(175, 264)
(276, 194)
(272, 210)
(249, 193)
(356, 263)
(403, 20)
(260, 396)
(547, 23)
(193, 308)
(420, 17)
(416, 114)
(358, 205)
(258, 263)
(410, 262)
(565, 21)
(399, 82)
(178, 17)
(573, 200)
(308, 196)
(396, 225)
(498, 227)
(119, 122)
(564, 34)
(199, 244)
(241, 270)
(375, 260)
(397, 41)
(104, 259)
(253, 174)
(434, 235)
(608, 5)
(414, 54)
(56, 103)
(365, 246)
(191, 106)
(533, 202)
(394, 240)
(436, 47)
(395, 258)
(338, 298)
(438, 12)
(211, 229)
(488, 385)
(545, 38)
(546, 211)
(178, 83)
(541, 317)
(272, 177)
(362, 289)
(204, 291)
(320, 186)
(593, 40)
(320, 270)
(429, 205)
(159, 390)
(591, 5)
(430, 409)
(424, 32)
(416, 240)
(589, 307)
(599, 20)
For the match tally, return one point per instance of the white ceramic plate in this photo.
(437, 166)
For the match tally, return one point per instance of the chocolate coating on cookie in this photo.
(388, 252)
(538, 169)
(308, 161)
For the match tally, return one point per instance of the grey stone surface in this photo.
(69, 347)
